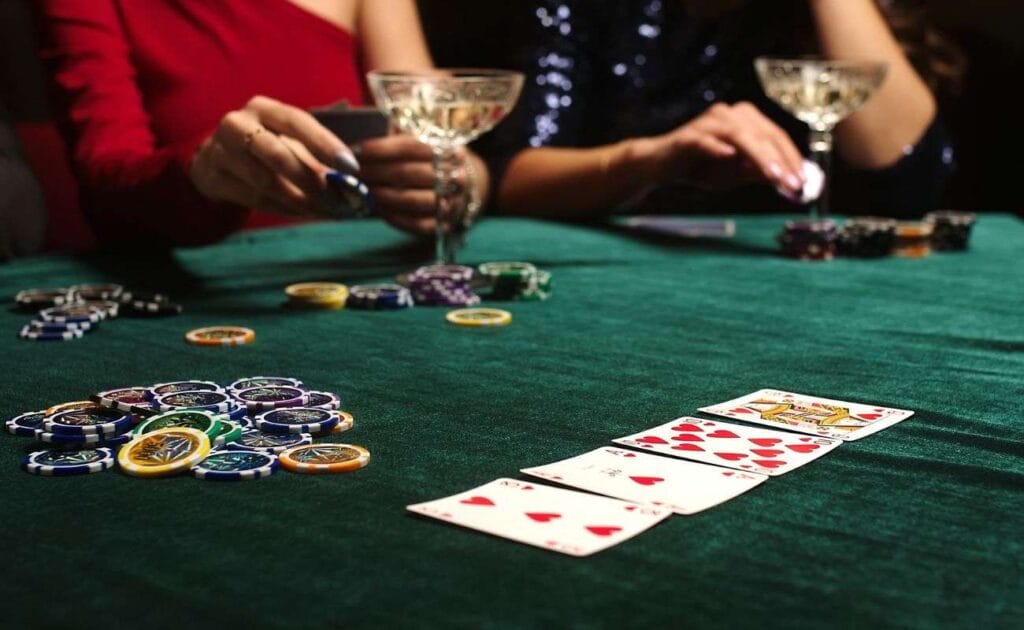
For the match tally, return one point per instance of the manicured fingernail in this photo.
(794, 182)
(775, 170)
(346, 161)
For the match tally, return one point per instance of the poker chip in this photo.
(324, 400)
(265, 381)
(229, 431)
(913, 239)
(296, 420)
(809, 240)
(96, 291)
(479, 317)
(197, 419)
(345, 422)
(324, 458)
(352, 197)
(123, 399)
(35, 334)
(160, 389)
(36, 299)
(26, 424)
(236, 412)
(75, 404)
(140, 296)
(236, 465)
(164, 452)
(88, 421)
(73, 313)
(92, 439)
(39, 325)
(266, 398)
(443, 285)
(57, 463)
(270, 442)
(379, 297)
(951, 229)
(221, 336)
(110, 309)
(217, 402)
(866, 237)
(514, 280)
(317, 295)
(141, 308)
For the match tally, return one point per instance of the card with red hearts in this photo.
(683, 487)
(569, 522)
(809, 414)
(731, 445)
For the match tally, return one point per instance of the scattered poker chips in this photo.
(296, 420)
(515, 281)
(324, 458)
(443, 285)
(809, 240)
(913, 239)
(71, 462)
(164, 452)
(951, 229)
(221, 336)
(236, 465)
(26, 424)
(866, 237)
(379, 297)
(317, 295)
(479, 317)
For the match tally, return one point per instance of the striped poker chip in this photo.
(98, 291)
(325, 458)
(97, 420)
(40, 325)
(228, 432)
(35, 299)
(34, 334)
(217, 402)
(379, 297)
(254, 439)
(173, 387)
(258, 399)
(296, 420)
(236, 465)
(324, 400)
(26, 424)
(123, 399)
(62, 463)
(93, 440)
(345, 422)
(73, 313)
(265, 381)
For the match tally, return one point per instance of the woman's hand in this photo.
(270, 156)
(726, 146)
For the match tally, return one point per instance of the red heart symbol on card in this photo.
(687, 437)
(603, 530)
(687, 427)
(802, 448)
(647, 481)
(543, 517)
(868, 416)
(722, 433)
(765, 441)
(728, 474)
(769, 463)
(740, 410)
(527, 488)
(630, 455)
(686, 447)
(630, 508)
(767, 452)
(732, 457)
(477, 501)
(651, 440)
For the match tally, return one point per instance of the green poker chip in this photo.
(205, 421)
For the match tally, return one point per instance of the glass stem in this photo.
(821, 154)
(447, 200)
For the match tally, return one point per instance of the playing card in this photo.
(731, 445)
(569, 522)
(683, 487)
(810, 414)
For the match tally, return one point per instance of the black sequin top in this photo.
(599, 71)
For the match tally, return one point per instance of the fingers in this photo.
(415, 202)
(792, 160)
(299, 124)
(398, 174)
(394, 148)
(243, 135)
(762, 145)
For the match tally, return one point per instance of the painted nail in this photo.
(794, 182)
(775, 170)
(346, 161)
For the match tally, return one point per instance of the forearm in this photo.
(902, 109)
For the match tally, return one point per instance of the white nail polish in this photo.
(346, 161)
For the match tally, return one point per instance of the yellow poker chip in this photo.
(317, 294)
(70, 406)
(164, 452)
(345, 422)
(221, 336)
(324, 458)
(479, 317)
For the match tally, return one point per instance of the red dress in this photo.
(148, 80)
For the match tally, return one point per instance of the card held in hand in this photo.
(683, 487)
(573, 523)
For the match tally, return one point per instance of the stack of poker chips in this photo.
(516, 281)
(67, 314)
(245, 430)
(809, 240)
(866, 237)
(376, 297)
(443, 285)
(913, 239)
(317, 295)
(951, 229)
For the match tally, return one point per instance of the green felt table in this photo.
(917, 526)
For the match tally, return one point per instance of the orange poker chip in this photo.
(221, 336)
(324, 458)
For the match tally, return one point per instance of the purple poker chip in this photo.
(271, 397)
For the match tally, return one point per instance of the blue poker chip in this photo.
(83, 440)
(265, 381)
(215, 401)
(56, 463)
(38, 335)
(246, 422)
(235, 465)
(88, 421)
(256, 440)
(379, 297)
(296, 420)
(349, 197)
(40, 325)
(73, 313)
(324, 400)
(26, 424)
(174, 387)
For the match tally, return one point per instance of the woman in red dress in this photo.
(188, 118)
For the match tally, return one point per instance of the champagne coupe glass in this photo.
(821, 93)
(447, 109)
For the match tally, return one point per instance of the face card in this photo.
(810, 414)
(731, 445)
(573, 523)
(683, 487)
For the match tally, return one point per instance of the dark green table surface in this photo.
(918, 526)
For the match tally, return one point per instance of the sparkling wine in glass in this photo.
(447, 109)
(821, 93)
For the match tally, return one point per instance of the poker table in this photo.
(917, 526)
